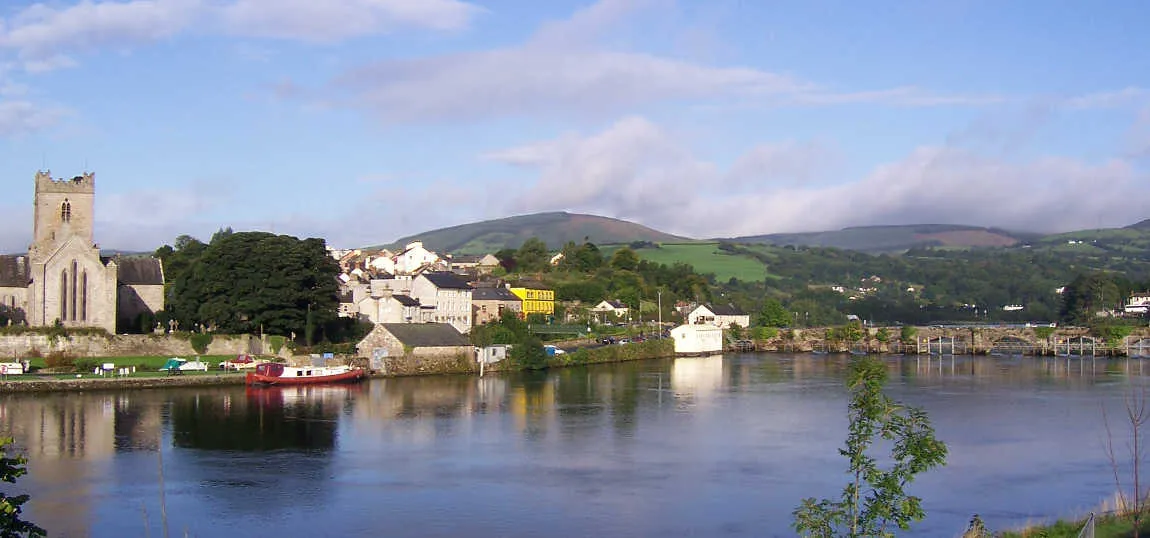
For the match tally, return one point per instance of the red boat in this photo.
(278, 374)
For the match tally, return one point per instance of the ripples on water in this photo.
(719, 446)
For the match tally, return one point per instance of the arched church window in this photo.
(84, 296)
(66, 211)
(72, 296)
(64, 295)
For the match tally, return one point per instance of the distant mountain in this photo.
(556, 229)
(894, 238)
(1144, 226)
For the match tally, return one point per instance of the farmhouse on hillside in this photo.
(611, 307)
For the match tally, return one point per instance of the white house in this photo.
(721, 316)
(697, 339)
(389, 308)
(616, 308)
(447, 295)
(1139, 303)
(413, 257)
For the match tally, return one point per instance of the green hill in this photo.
(1144, 225)
(556, 229)
(892, 238)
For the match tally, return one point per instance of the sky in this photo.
(361, 121)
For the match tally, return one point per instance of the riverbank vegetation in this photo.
(12, 523)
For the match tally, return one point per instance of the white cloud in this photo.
(636, 170)
(528, 81)
(332, 20)
(45, 37)
(121, 223)
(19, 117)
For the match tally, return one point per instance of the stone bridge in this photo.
(977, 340)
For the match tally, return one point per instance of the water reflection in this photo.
(710, 445)
(260, 419)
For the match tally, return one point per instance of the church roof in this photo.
(14, 271)
(144, 271)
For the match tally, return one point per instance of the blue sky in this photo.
(361, 121)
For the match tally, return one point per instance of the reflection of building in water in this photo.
(532, 403)
(697, 377)
(459, 397)
(68, 440)
(138, 425)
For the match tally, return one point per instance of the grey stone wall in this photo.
(127, 345)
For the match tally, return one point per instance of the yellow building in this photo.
(536, 301)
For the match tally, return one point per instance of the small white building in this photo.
(616, 308)
(697, 339)
(1139, 303)
(721, 316)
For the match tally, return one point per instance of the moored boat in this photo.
(278, 374)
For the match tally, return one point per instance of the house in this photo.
(447, 296)
(701, 339)
(413, 257)
(721, 316)
(414, 340)
(618, 309)
(488, 304)
(1138, 304)
(536, 301)
(556, 259)
(390, 308)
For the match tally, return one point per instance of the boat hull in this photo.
(350, 376)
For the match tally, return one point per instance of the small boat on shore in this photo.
(278, 374)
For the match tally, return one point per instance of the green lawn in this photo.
(707, 258)
(1104, 527)
(146, 366)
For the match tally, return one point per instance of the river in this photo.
(719, 446)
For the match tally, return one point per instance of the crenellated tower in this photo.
(63, 208)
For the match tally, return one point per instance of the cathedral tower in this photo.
(63, 209)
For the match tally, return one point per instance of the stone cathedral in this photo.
(64, 278)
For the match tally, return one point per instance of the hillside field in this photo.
(706, 258)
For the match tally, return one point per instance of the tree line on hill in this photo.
(929, 285)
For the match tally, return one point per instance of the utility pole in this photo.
(660, 307)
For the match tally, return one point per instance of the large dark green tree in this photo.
(533, 256)
(253, 281)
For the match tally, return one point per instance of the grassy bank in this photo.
(1107, 526)
(650, 349)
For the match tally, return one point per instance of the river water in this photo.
(719, 446)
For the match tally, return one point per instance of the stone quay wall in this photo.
(92, 345)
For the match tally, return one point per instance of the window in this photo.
(64, 295)
(84, 296)
(66, 211)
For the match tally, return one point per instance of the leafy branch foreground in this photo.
(875, 502)
(12, 506)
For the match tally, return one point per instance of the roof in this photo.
(447, 280)
(616, 305)
(493, 294)
(406, 300)
(426, 334)
(14, 271)
(725, 310)
(145, 271)
(466, 258)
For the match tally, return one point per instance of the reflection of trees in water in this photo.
(261, 419)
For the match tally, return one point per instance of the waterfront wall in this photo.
(122, 383)
(964, 340)
(95, 345)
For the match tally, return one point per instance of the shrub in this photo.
(1043, 333)
(200, 342)
(85, 365)
(59, 359)
(908, 334)
(277, 343)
